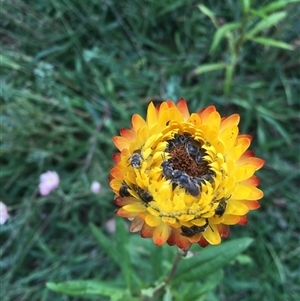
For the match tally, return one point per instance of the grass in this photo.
(72, 75)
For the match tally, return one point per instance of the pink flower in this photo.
(95, 187)
(3, 213)
(48, 182)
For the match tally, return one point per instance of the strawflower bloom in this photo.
(48, 182)
(182, 177)
(4, 216)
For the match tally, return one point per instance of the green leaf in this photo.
(7, 62)
(265, 23)
(87, 287)
(246, 5)
(209, 67)
(209, 260)
(276, 5)
(206, 11)
(220, 33)
(188, 291)
(106, 244)
(272, 43)
(122, 246)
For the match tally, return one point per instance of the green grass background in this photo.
(73, 72)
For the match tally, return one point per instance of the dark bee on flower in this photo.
(207, 177)
(136, 159)
(221, 207)
(191, 231)
(167, 169)
(183, 180)
(124, 192)
(177, 140)
(144, 195)
(193, 149)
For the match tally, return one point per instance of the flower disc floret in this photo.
(183, 178)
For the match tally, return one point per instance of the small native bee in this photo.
(136, 159)
(167, 169)
(182, 179)
(191, 231)
(207, 177)
(124, 192)
(221, 207)
(144, 195)
(193, 151)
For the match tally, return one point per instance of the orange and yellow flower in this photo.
(182, 177)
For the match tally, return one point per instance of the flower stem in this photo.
(176, 261)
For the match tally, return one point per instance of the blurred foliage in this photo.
(73, 73)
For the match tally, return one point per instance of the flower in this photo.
(95, 187)
(182, 177)
(48, 182)
(3, 213)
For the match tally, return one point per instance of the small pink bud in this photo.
(48, 182)
(3, 213)
(95, 187)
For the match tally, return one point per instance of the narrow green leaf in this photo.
(265, 23)
(206, 11)
(86, 287)
(191, 292)
(228, 78)
(276, 5)
(246, 5)
(122, 246)
(220, 33)
(7, 62)
(209, 260)
(209, 67)
(272, 43)
(106, 244)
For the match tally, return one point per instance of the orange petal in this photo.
(257, 162)
(203, 242)
(120, 142)
(183, 108)
(252, 205)
(151, 114)
(128, 134)
(204, 114)
(161, 234)
(123, 213)
(137, 122)
(243, 220)
(224, 230)
(253, 181)
(116, 157)
(119, 201)
(230, 121)
(146, 231)
(181, 241)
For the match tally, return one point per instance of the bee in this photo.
(191, 231)
(207, 177)
(193, 151)
(136, 159)
(123, 192)
(178, 140)
(182, 179)
(221, 207)
(144, 195)
(167, 169)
